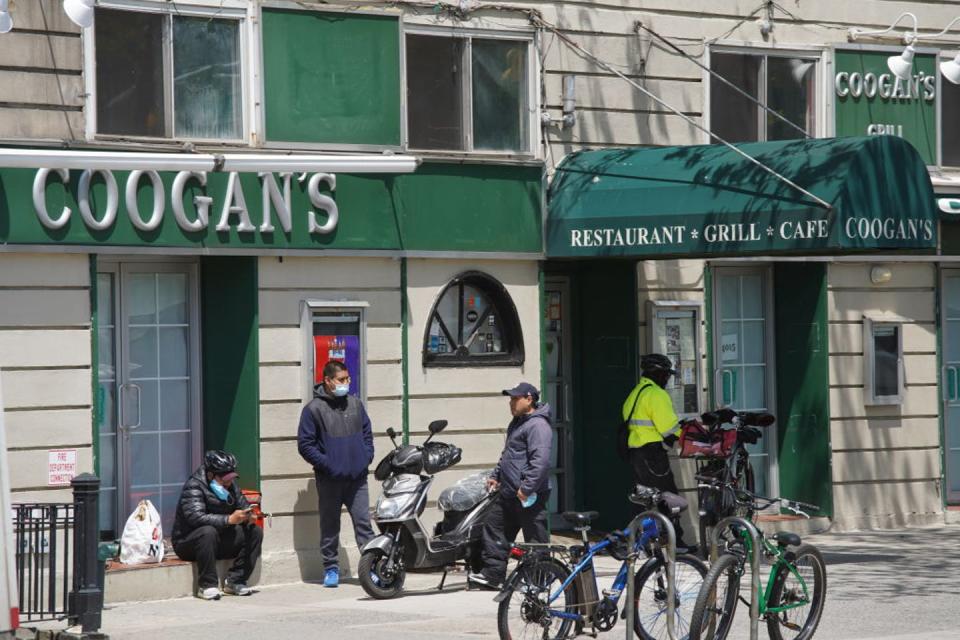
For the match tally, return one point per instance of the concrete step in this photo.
(171, 579)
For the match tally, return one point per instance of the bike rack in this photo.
(671, 561)
(755, 551)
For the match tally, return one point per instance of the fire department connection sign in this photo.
(61, 466)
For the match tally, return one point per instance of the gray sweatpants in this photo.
(332, 495)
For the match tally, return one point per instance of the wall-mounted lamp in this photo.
(6, 22)
(569, 105)
(951, 69)
(79, 11)
(880, 275)
(902, 65)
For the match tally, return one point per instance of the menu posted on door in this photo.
(61, 466)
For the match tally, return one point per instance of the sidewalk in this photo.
(881, 585)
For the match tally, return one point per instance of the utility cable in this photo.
(773, 112)
(597, 61)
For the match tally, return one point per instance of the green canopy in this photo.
(708, 200)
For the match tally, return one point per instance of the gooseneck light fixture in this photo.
(6, 22)
(79, 11)
(902, 65)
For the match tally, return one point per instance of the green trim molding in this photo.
(441, 207)
(710, 201)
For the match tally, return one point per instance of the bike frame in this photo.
(650, 532)
(764, 594)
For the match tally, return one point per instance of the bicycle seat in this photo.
(787, 539)
(580, 518)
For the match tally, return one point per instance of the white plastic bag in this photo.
(142, 539)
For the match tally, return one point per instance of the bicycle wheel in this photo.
(745, 481)
(801, 622)
(524, 613)
(650, 589)
(717, 600)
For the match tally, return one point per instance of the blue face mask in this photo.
(219, 489)
(341, 390)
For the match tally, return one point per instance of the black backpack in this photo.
(623, 431)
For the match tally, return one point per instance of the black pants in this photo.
(651, 468)
(506, 518)
(334, 494)
(206, 545)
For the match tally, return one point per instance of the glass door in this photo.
(557, 392)
(743, 363)
(950, 382)
(149, 396)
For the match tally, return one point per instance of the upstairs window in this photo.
(949, 123)
(473, 323)
(160, 75)
(785, 84)
(468, 93)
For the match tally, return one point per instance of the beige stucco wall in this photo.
(469, 398)
(886, 459)
(45, 367)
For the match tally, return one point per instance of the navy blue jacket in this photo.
(525, 461)
(335, 436)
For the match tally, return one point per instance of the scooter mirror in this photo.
(437, 426)
(391, 433)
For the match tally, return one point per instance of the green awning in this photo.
(710, 201)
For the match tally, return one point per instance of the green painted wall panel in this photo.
(331, 77)
(231, 380)
(803, 383)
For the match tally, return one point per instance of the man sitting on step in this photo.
(215, 522)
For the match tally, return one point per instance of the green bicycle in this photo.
(792, 601)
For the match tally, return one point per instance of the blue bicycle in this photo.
(552, 593)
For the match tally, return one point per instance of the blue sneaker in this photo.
(331, 579)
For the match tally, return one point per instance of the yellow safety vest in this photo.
(653, 418)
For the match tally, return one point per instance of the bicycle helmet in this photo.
(219, 462)
(656, 362)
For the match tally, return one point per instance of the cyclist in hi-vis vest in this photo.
(653, 429)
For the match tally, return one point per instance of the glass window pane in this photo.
(108, 461)
(143, 352)
(790, 92)
(149, 405)
(105, 293)
(950, 127)
(174, 410)
(173, 352)
(753, 343)
(499, 95)
(107, 407)
(130, 73)
(145, 458)
(886, 355)
(172, 298)
(108, 512)
(434, 92)
(729, 297)
(206, 78)
(951, 297)
(752, 296)
(754, 388)
(731, 349)
(953, 465)
(105, 363)
(175, 457)
(142, 299)
(734, 117)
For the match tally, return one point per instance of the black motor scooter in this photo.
(407, 473)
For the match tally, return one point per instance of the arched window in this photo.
(473, 323)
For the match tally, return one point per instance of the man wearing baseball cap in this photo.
(522, 482)
(214, 522)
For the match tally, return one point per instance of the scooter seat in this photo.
(580, 518)
(787, 539)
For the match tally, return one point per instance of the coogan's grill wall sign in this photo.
(872, 101)
(194, 209)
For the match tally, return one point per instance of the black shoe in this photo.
(481, 581)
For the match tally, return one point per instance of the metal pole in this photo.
(754, 565)
(670, 558)
(86, 599)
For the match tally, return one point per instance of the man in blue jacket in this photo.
(335, 436)
(522, 482)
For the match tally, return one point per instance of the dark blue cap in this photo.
(523, 389)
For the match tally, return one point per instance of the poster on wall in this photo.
(345, 349)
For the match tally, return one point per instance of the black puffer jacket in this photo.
(199, 506)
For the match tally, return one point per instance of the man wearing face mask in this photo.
(214, 522)
(336, 438)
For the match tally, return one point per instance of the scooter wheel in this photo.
(375, 580)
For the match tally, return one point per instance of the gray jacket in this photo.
(525, 461)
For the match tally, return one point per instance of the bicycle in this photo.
(723, 463)
(552, 593)
(794, 596)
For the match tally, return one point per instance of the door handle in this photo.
(724, 399)
(124, 406)
(566, 402)
(139, 392)
(951, 388)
